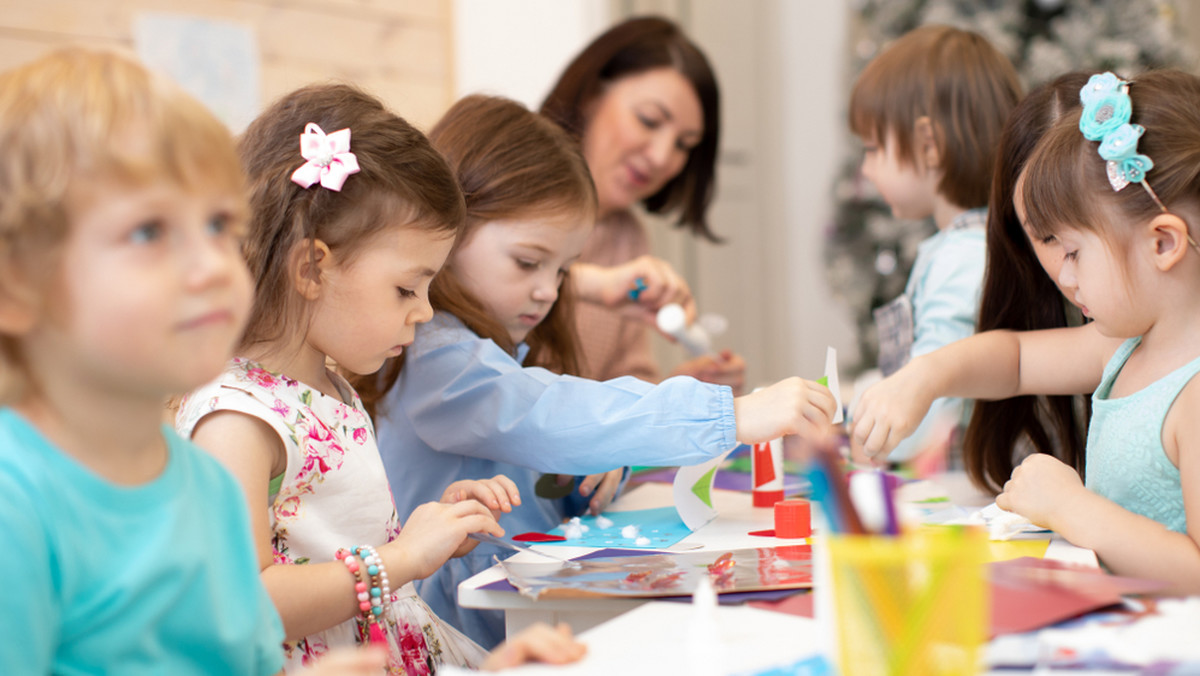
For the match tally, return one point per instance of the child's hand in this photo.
(610, 286)
(498, 494)
(1042, 489)
(791, 406)
(433, 533)
(602, 488)
(727, 368)
(367, 660)
(538, 643)
(887, 413)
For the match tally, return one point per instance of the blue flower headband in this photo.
(1107, 109)
(1106, 112)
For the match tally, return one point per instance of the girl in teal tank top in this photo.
(1132, 264)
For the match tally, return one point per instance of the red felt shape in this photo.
(538, 537)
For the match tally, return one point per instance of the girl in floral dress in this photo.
(345, 236)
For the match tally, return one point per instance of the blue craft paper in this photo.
(661, 525)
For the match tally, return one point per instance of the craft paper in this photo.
(660, 526)
(693, 492)
(831, 379)
(665, 574)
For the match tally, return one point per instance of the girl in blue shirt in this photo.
(1117, 185)
(486, 386)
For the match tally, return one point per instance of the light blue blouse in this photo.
(1126, 461)
(463, 408)
(944, 288)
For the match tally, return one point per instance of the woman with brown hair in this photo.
(643, 101)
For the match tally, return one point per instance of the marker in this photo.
(672, 320)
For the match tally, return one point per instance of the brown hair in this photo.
(510, 163)
(80, 114)
(1018, 295)
(960, 82)
(1066, 184)
(631, 48)
(402, 180)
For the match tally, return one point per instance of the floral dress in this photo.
(333, 494)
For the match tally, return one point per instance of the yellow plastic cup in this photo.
(914, 604)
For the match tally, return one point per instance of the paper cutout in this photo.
(660, 526)
(658, 575)
(692, 490)
(703, 487)
(831, 381)
(538, 537)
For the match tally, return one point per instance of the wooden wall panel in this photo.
(400, 50)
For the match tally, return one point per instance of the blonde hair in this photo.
(960, 82)
(80, 114)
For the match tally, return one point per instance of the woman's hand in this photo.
(611, 287)
(727, 368)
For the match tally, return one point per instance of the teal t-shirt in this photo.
(160, 578)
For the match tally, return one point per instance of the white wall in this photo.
(780, 68)
(517, 48)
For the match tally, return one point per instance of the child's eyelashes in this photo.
(1049, 239)
(528, 264)
(406, 293)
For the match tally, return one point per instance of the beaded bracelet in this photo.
(367, 587)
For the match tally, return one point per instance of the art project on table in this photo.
(657, 528)
(660, 575)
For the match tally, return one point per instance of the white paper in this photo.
(692, 485)
(831, 379)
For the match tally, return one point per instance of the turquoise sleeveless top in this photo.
(1126, 462)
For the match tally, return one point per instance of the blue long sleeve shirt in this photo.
(463, 408)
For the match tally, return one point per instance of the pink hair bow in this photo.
(329, 158)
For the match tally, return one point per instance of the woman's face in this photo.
(641, 130)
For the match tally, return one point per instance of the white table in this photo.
(736, 517)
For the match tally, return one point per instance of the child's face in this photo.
(909, 189)
(368, 310)
(153, 292)
(515, 267)
(1101, 284)
(1049, 250)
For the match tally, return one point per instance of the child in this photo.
(929, 111)
(125, 549)
(352, 214)
(1020, 293)
(480, 390)
(1132, 264)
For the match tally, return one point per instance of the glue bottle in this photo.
(672, 320)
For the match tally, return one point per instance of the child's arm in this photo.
(315, 597)
(1049, 493)
(538, 643)
(990, 365)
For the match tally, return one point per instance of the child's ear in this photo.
(925, 143)
(1169, 238)
(309, 260)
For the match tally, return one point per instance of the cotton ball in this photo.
(603, 523)
(573, 531)
(630, 532)
(642, 541)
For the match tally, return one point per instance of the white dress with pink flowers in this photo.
(333, 494)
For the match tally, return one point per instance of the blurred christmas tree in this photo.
(868, 253)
